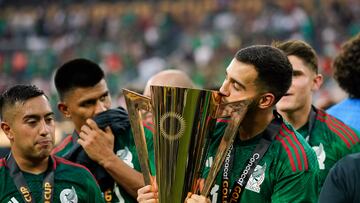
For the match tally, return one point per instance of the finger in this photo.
(146, 196)
(194, 196)
(190, 201)
(92, 124)
(85, 128)
(194, 200)
(83, 136)
(148, 201)
(198, 198)
(188, 196)
(81, 142)
(144, 190)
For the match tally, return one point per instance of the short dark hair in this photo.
(18, 93)
(347, 67)
(273, 68)
(77, 73)
(300, 49)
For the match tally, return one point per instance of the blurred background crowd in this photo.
(133, 39)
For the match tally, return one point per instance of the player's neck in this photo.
(299, 117)
(255, 123)
(31, 166)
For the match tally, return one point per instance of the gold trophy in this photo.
(184, 121)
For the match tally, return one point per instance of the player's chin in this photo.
(45, 151)
(284, 107)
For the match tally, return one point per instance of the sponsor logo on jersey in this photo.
(68, 196)
(321, 155)
(256, 178)
(255, 157)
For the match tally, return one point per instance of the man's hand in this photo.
(192, 198)
(148, 194)
(98, 144)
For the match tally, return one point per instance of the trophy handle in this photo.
(236, 111)
(136, 102)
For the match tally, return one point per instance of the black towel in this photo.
(119, 123)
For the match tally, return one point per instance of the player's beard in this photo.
(253, 106)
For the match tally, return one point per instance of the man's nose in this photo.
(44, 128)
(224, 89)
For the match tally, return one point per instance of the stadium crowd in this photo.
(78, 55)
(132, 40)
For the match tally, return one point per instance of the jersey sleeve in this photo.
(356, 147)
(296, 175)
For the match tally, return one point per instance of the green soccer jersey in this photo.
(331, 140)
(72, 183)
(127, 152)
(288, 171)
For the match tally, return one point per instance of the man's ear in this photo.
(266, 100)
(318, 81)
(7, 130)
(63, 108)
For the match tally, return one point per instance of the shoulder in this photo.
(64, 166)
(297, 152)
(347, 106)
(63, 146)
(347, 168)
(341, 106)
(69, 170)
(349, 162)
(4, 171)
(337, 128)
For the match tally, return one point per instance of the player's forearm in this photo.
(127, 177)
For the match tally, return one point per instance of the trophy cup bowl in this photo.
(184, 121)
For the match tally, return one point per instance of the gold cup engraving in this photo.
(184, 120)
(179, 128)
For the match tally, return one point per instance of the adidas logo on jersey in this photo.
(13, 200)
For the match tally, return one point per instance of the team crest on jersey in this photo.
(68, 196)
(256, 179)
(321, 155)
(126, 156)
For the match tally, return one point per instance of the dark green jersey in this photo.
(288, 171)
(331, 140)
(73, 183)
(126, 151)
